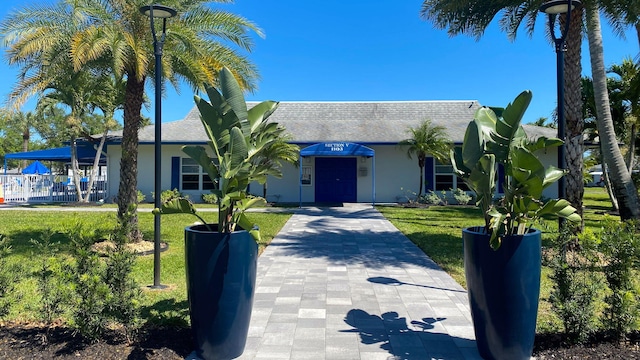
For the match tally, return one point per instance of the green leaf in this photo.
(472, 147)
(552, 175)
(561, 208)
(513, 114)
(237, 148)
(246, 224)
(199, 155)
(543, 143)
(177, 206)
(259, 113)
(250, 202)
(232, 92)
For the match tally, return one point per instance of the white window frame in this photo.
(200, 173)
(455, 179)
(307, 178)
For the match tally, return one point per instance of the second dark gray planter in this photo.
(503, 288)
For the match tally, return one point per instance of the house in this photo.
(349, 151)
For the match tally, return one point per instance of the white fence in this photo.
(49, 188)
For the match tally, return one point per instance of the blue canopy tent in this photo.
(86, 154)
(37, 168)
(339, 149)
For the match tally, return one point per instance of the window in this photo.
(306, 176)
(193, 177)
(446, 178)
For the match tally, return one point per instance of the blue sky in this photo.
(380, 50)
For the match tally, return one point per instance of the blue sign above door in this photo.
(337, 149)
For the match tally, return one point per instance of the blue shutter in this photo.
(429, 174)
(175, 172)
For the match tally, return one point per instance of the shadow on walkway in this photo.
(404, 340)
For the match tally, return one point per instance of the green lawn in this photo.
(166, 306)
(437, 230)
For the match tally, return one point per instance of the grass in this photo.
(167, 307)
(437, 230)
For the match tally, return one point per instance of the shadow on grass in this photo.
(167, 312)
(20, 241)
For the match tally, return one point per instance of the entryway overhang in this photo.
(340, 149)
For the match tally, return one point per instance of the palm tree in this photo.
(114, 35)
(23, 122)
(473, 17)
(427, 139)
(623, 186)
(627, 72)
(542, 121)
(274, 155)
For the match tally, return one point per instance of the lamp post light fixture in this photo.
(553, 8)
(160, 12)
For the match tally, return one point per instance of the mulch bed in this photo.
(20, 341)
(600, 346)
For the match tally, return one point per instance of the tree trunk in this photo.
(264, 190)
(623, 186)
(75, 169)
(632, 147)
(574, 124)
(607, 182)
(127, 191)
(26, 135)
(421, 163)
(421, 182)
(96, 165)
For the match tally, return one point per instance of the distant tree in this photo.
(11, 139)
(623, 186)
(427, 139)
(472, 17)
(542, 121)
(626, 74)
(113, 33)
(276, 153)
(22, 123)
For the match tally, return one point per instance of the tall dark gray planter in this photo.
(503, 288)
(221, 277)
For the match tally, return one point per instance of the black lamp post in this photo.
(160, 12)
(552, 9)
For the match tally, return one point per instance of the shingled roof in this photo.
(359, 122)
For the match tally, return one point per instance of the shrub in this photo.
(573, 297)
(620, 248)
(9, 275)
(123, 304)
(89, 291)
(432, 198)
(461, 197)
(50, 282)
(167, 195)
(209, 198)
(141, 196)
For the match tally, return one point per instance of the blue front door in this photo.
(336, 180)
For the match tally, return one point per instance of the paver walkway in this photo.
(344, 283)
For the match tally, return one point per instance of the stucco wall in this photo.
(146, 168)
(395, 175)
(393, 170)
